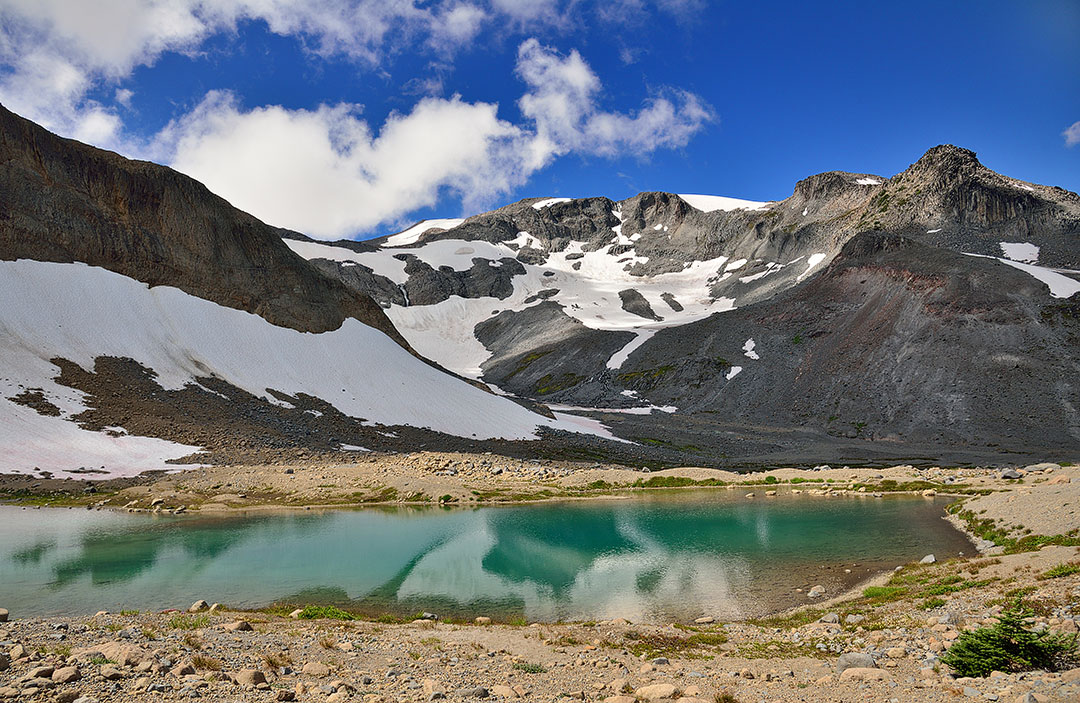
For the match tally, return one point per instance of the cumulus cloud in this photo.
(562, 102)
(1072, 135)
(326, 173)
(325, 170)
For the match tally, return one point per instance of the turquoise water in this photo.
(650, 558)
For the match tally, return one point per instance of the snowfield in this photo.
(79, 313)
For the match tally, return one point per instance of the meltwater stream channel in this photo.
(650, 558)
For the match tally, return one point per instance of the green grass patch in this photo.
(530, 668)
(1061, 570)
(188, 622)
(324, 612)
(884, 594)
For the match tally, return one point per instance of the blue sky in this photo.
(352, 118)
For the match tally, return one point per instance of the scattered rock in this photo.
(482, 620)
(854, 660)
(655, 692)
(858, 673)
(706, 620)
(473, 692)
(68, 674)
(928, 559)
(238, 626)
(504, 692)
(250, 677)
(3, 615)
(315, 669)
(816, 592)
(198, 606)
(1011, 474)
(829, 618)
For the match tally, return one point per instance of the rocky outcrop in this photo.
(68, 202)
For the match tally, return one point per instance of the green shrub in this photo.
(1010, 647)
(1061, 570)
(530, 668)
(327, 612)
(883, 592)
(189, 622)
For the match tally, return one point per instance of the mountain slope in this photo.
(65, 201)
(962, 266)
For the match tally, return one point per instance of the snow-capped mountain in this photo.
(959, 330)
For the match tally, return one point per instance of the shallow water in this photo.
(657, 557)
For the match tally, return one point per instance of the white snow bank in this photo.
(1025, 252)
(811, 264)
(382, 263)
(868, 181)
(619, 358)
(735, 371)
(712, 203)
(549, 202)
(413, 234)
(1060, 286)
(79, 313)
(748, 349)
(30, 441)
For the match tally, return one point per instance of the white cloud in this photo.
(327, 173)
(324, 171)
(562, 101)
(1072, 135)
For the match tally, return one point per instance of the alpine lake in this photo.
(658, 557)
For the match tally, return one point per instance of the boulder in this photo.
(238, 626)
(858, 673)
(69, 674)
(655, 692)
(249, 677)
(198, 606)
(829, 618)
(816, 592)
(1011, 474)
(928, 559)
(473, 692)
(854, 660)
(482, 620)
(315, 669)
(3, 615)
(504, 692)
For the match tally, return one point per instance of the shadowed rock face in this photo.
(64, 201)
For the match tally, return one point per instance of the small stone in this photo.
(183, 669)
(928, 559)
(433, 691)
(315, 669)
(620, 699)
(655, 692)
(295, 615)
(111, 673)
(198, 606)
(706, 620)
(3, 615)
(504, 692)
(216, 608)
(238, 626)
(746, 674)
(285, 696)
(1011, 474)
(858, 673)
(68, 674)
(473, 692)
(854, 660)
(482, 620)
(816, 591)
(17, 652)
(5, 662)
(972, 692)
(854, 619)
(660, 661)
(41, 672)
(337, 697)
(86, 699)
(896, 652)
(250, 677)
(829, 618)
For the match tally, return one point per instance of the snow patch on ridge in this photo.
(712, 203)
(1025, 252)
(549, 202)
(413, 234)
(1060, 286)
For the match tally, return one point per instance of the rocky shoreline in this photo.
(881, 641)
